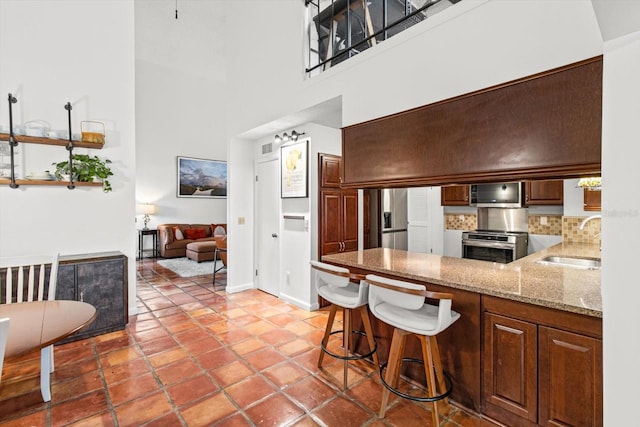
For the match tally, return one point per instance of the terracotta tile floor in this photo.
(197, 356)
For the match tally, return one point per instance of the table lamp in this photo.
(147, 209)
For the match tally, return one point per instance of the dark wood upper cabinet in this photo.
(592, 200)
(338, 209)
(546, 125)
(454, 195)
(331, 170)
(548, 192)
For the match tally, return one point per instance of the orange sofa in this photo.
(174, 238)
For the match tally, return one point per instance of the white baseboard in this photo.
(239, 288)
(299, 303)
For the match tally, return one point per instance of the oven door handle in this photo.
(487, 244)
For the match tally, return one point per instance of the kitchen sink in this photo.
(572, 262)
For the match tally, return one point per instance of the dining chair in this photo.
(4, 333)
(26, 279)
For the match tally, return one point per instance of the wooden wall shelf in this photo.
(50, 183)
(49, 141)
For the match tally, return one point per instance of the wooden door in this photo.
(349, 220)
(455, 195)
(570, 379)
(366, 232)
(510, 370)
(331, 220)
(548, 192)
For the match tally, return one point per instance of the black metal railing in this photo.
(340, 28)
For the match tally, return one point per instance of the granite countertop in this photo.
(524, 280)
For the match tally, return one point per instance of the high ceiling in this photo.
(617, 18)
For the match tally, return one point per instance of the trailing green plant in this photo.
(86, 169)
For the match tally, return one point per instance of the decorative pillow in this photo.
(195, 233)
(177, 233)
(218, 230)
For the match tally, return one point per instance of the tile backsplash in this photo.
(553, 226)
(556, 225)
(453, 221)
(571, 230)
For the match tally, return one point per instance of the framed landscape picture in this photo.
(201, 178)
(294, 159)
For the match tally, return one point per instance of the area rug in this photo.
(186, 267)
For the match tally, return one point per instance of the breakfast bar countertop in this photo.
(562, 288)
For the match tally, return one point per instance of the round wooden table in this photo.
(40, 324)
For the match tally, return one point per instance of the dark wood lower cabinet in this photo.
(100, 280)
(541, 366)
(570, 379)
(510, 369)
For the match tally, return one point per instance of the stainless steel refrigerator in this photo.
(393, 221)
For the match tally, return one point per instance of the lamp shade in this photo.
(148, 209)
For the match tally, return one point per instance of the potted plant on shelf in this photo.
(85, 169)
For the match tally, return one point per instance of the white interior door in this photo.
(268, 227)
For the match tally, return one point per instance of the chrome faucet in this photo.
(587, 219)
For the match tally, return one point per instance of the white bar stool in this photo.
(402, 305)
(334, 284)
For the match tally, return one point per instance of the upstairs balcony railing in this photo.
(340, 29)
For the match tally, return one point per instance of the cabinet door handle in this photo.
(82, 296)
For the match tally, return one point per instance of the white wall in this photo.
(240, 204)
(620, 226)
(81, 52)
(180, 103)
(298, 239)
(447, 55)
(462, 49)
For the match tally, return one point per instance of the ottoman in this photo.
(201, 251)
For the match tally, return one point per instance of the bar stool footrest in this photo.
(353, 356)
(416, 398)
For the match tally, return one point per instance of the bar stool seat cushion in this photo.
(409, 312)
(347, 296)
(337, 288)
(423, 321)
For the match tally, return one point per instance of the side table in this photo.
(149, 232)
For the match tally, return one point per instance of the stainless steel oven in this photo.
(495, 246)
